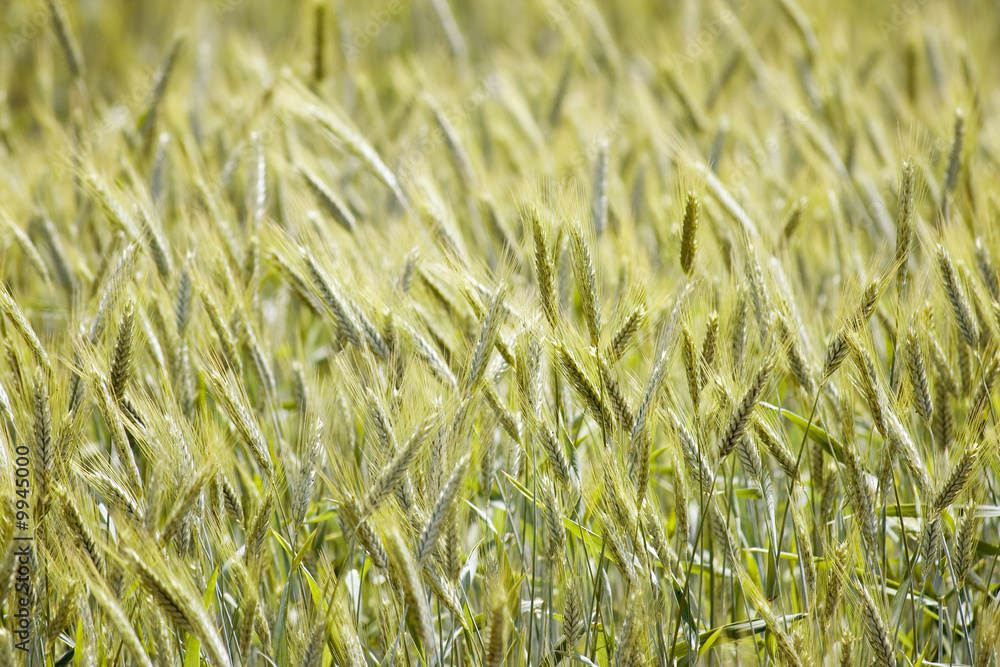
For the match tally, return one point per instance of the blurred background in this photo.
(119, 40)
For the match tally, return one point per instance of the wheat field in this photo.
(543, 332)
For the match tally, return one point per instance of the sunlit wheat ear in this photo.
(619, 403)
(958, 480)
(57, 251)
(931, 540)
(554, 529)
(257, 532)
(658, 540)
(413, 591)
(528, 372)
(689, 232)
(183, 506)
(868, 380)
(625, 334)
(67, 42)
(740, 419)
(312, 653)
(709, 346)
(642, 463)
(305, 477)
(758, 293)
(694, 460)
(838, 348)
(394, 472)
(329, 200)
(955, 154)
(632, 641)
(244, 330)
(980, 407)
(358, 527)
(651, 394)
(79, 527)
(776, 447)
(242, 418)
(831, 490)
(956, 297)
(917, 374)
(159, 250)
(123, 358)
(586, 281)
(573, 616)
(738, 339)
(441, 511)
(332, 297)
(17, 318)
(251, 603)
(113, 613)
(619, 551)
(62, 614)
(559, 464)
(489, 330)
(837, 567)
(804, 546)
(503, 415)
(28, 248)
(966, 539)
(793, 219)
(749, 456)
(987, 269)
(42, 450)
(859, 493)
(901, 444)
(691, 367)
(118, 496)
(112, 286)
(875, 629)
(342, 638)
(945, 377)
(797, 363)
(227, 341)
(904, 223)
(599, 198)
(496, 636)
(184, 301)
(230, 499)
(585, 388)
(180, 607)
(544, 267)
(263, 629)
(774, 625)
(159, 87)
(988, 631)
(164, 650)
(431, 358)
